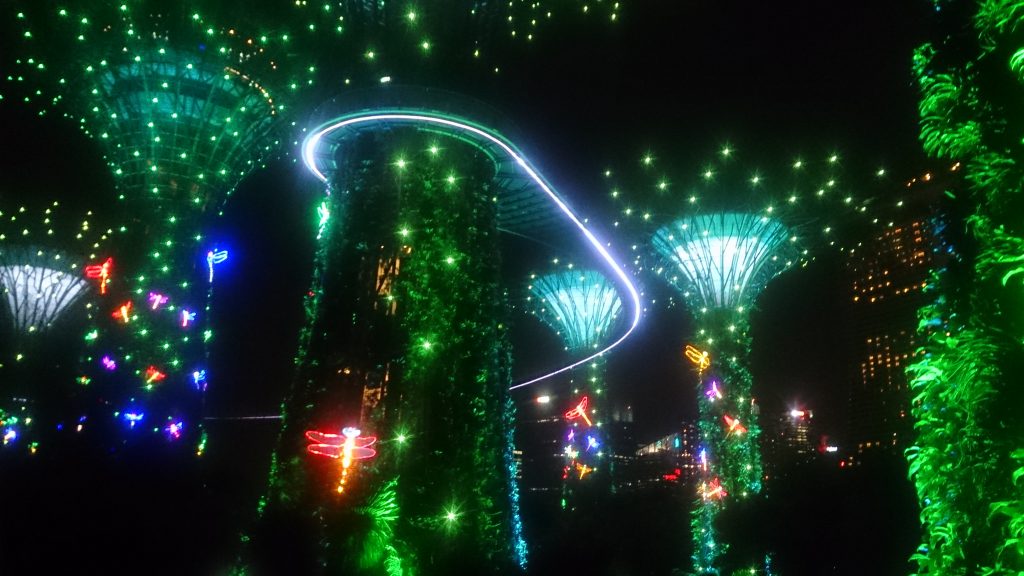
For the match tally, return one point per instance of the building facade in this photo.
(888, 275)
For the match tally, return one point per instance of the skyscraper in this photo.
(887, 276)
(787, 440)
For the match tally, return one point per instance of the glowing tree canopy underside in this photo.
(726, 258)
(36, 293)
(581, 305)
(200, 123)
(183, 107)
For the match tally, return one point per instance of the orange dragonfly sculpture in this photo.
(734, 425)
(699, 357)
(580, 411)
(124, 312)
(347, 446)
(583, 470)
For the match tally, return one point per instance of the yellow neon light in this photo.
(699, 358)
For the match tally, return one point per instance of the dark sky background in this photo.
(678, 76)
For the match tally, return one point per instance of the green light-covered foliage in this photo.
(1012, 551)
(455, 370)
(379, 549)
(405, 339)
(953, 461)
(943, 132)
(706, 548)
(966, 379)
(733, 457)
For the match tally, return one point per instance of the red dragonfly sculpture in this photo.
(347, 446)
(580, 411)
(153, 375)
(100, 272)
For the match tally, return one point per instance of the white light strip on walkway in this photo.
(313, 141)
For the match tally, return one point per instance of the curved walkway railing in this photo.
(320, 145)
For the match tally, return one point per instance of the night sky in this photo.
(677, 76)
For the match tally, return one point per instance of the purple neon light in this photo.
(314, 139)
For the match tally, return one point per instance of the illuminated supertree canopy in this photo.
(37, 291)
(580, 305)
(43, 264)
(719, 237)
(726, 258)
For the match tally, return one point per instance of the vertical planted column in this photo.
(406, 342)
(967, 460)
(453, 399)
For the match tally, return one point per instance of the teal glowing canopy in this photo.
(580, 305)
(725, 258)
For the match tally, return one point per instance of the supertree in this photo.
(718, 244)
(183, 106)
(967, 458)
(582, 306)
(420, 205)
(45, 280)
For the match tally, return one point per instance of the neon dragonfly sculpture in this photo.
(735, 427)
(100, 272)
(700, 358)
(213, 258)
(580, 411)
(712, 490)
(346, 447)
